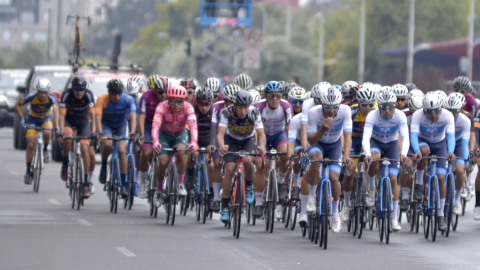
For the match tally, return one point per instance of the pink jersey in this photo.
(148, 105)
(471, 103)
(174, 122)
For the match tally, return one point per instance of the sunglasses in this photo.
(202, 104)
(402, 99)
(328, 107)
(273, 96)
(297, 102)
(463, 91)
(367, 105)
(216, 95)
(78, 89)
(387, 106)
(453, 111)
(175, 101)
(116, 94)
(433, 111)
(190, 92)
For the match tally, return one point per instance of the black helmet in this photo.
(78, 81)
(204, 95)
(115, 86)
(410, 86)
(243, 97)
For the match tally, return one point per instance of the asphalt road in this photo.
(40, 231)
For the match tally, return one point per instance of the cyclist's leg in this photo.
(163, 159)
(333, 152)
(46, 122)
(145, 156)
(260, 174)
(440, 149)
(280, 144)
(93, 161)
(83, 129)
(31, 135)
(105, 151)
(216, 178)
(296, 172)
(249, 146)
(348, 180)
(405, 182)
(374, 168)
(180, 141)
(230, 166)
(391, 151)
(315, 152)
(459, 170)
(67, 147)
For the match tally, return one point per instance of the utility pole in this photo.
(361, 46)
(48, 33)
(411, 36)
(321, 43)
(471, 19)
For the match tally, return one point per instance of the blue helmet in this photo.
(273, 86)
(338, 87)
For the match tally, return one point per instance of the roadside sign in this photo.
(251, 59)
(252, 36)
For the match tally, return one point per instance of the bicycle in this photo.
(151, 181)
(465, 196)
(75, 171)
(114, 184)
(201, 186)
(37, 161)
(358, 196)
(271, 190)
(293, 206)
(237, 201)
(131, 177)
(412, 216)
(450, 199)
(77, 40)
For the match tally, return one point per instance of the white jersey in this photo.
(430, 131)
(385, 130)
(342, 123)
(462, 127)
(295, 128)
(306, 106)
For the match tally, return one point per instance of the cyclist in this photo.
(111, 115)
(276, 116)
(139, 80)
(215, 85)
(151, 81)
(148, 105)
(296, 96)
(261, 89)
(411, 86)
(366, 103)
(255, 96)
(346, 91)
(169, 130)
(326, 123)
(42, 105)
(463, 125)
(77, 107)
(190, 86)
(380, 140)
(429, 130)
(401, 91)
(229, 94)
(236, 131)
(307, 105)
(244, 81)
(203, 103)
(462, 85)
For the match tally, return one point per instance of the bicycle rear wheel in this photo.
(198, 199)
(361, 198)
(173, 179)
(131, 182)
(292, 210)
(116, 186)
(327, 200)
(78, 180)
(388, 206)
(205, 202)
(273, 200)
(238, 206)
(413, 215)
(37, 170)
(434, 206)
(380, 217)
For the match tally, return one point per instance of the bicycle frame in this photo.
(325, 178)
(130, 153)
(432, 176)
(447, 183)
(239, 173)
(384, 177)
(198, 171)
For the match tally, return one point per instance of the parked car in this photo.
(9, 80)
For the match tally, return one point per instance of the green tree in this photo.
(29, 55)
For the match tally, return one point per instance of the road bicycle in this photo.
(37, 161)
(77, 40)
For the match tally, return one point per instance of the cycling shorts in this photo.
(83, 128)
(169, 141)
(119, 131)
(297, 147)
(275, 140)
(235, 145)
(438, 149)
(459, 152)
(333, 151)
(356, 146)
(388, 150)
(32, 122)
(147, 130)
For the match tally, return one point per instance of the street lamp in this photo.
(321, 41)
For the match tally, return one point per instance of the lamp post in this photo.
(411, 36)
(470, 46)
(361, 46)
(321, 41)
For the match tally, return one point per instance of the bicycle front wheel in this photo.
(238, 206)
(388, 207)
(449, 201)
(131, 182)
(327, 200)
(173, 180)
(434, 209)
(37, 169)
(272, 199)
(78, 180)
(204, 197)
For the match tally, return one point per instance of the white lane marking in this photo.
(13, 173)
(54, 201)
(84, 222)
(125, 252)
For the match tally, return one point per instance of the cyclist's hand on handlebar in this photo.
(133, 137)
(223, 149)
(98, 135)
(210, 150)
(261, 150)
(346, 161)
(368, 160)
(403, 159)
(417, 156)
(22, 122)
(157, 147)
(452, 157)
(60, 137)
(192, 147)
(141, 140)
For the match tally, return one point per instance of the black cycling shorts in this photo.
(235, 145)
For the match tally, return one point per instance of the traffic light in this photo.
(188, 48)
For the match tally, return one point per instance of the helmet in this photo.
(243, 80)
(214, 84)
(354, 90)
(139, 80)
(384, 89)
(347, 85)
(386, 97)
(151, 80)
(115, 86)
(415, 99)
(410, 86)
(400, 90)
(317, 90)
(204, 95)
(188, 83)
(297, 93)
(260, 88)
(461, 82)
(255, 96)
(289, 87)
(79, 83)
(162, 83)
(366, 94)
(273, 86)
(330, 96)
(432, 100)
(338, 87)
(455, 101)
(283, 84)
(442, 94)
(132, 88)
(43, 85)
(230, 90)
(176, 92)
(367, 83)
(472, 90)
(243, 97)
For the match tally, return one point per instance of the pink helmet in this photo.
(177, 92)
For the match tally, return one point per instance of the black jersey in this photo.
(76, 108)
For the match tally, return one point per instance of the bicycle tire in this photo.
(388, 199)
(78, 180)
(198, 202)
(111, 186)
(449, 201)
(434, 220)
(116, 186)
(464, 205)
(37, 170)
(248, 213)
(371, 219)
(380, 217)
(238, 205)
(317, 227)
(426, 221)
(71, 186)
(293, 215)
(327, 200)
(205, 201)
(183, 207)
(288, 210)
(413, 215)
(131, 181)
(361, 195)
(310, 227)
(273, 203)
(173, 178)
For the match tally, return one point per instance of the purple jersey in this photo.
(215, 112)
(275, 121)
(148, 105)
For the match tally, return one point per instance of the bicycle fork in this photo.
(326, 176)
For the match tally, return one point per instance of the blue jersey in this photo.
(40, 109)
(115, 114)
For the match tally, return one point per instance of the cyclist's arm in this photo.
(466, 138)
(367, 134)
(414, 132)
(21, 102)
(157, 122)
(192, 123)
(304, 126)
(55, 116)
(101, 104)
(348, 143)
(91, 114)
(288, 110)
(62, 112)
(262, 139)
(141, 125)
(450, 129)
(133, 115)
(221, 135)
(313, 135)
(405, 140)
(347, 129)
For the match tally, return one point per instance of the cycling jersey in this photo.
(306, 106)
(215, 114)
(385, 130)
(342, 123)
(38, 108)
(173, 123)
(203, 123)
(295, 128)
(470, 103)
(275, 121)
(422, 127)
(358, 121)
(115, 114)
(148, 105)
(238, 128)
(74, 108)
(462, 136)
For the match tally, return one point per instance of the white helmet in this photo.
(384, 89)
(455, 101)
(255, 95)
(442, 94)
(230, 90)
(330, 96)
(132, 87)
(386, 97)
(415, 99)
(244, 81)
(400, 90)
(347, 85)
(317, 89)
(366, 94)
(43, 85)
(368, 84)
(297, 93)
(139, 80)
(214, 84)
(432, 100)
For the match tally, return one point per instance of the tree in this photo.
(29, 55)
